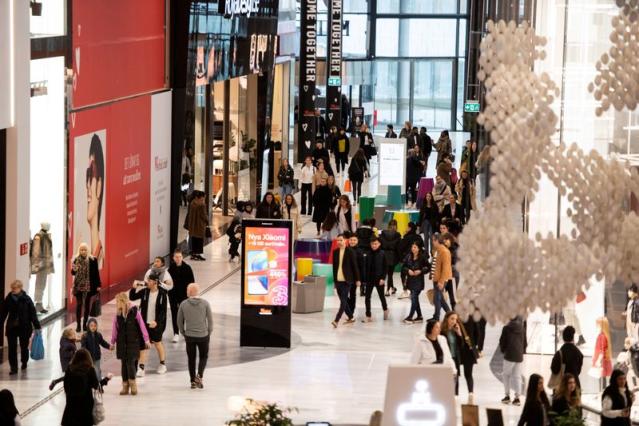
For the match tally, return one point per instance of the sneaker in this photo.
(516, 401)
(407, 321)
(176, 338)
(506, 400)
(198, 382)
(193, 385)
(162, 369)
(334, 324)
(350, 321)
(404, 295)
(140, 372)
(418, 319)
(393, 290)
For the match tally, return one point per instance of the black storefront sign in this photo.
(307, 79)
(334, 65)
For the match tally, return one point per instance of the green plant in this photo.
(570, 418)
(257, 413)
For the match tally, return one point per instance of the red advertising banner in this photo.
(109, 183)
(118, 49)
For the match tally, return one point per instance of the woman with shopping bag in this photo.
(19, 312)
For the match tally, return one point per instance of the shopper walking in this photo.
(443, 146)
(129, 335)
(616, 401)
(80, 381)
(512, 344)
(9, 414)
(429, 220)
(415, 267)
(390, 240)
(195, 320)
(432, 348)
(441, 193)
(21, 319)
(335, 192)
(159, 269)
(407, 130)
(356, 171)
(413, 174)
(360, 257)
(341, 149)
(320, 174)
(345, 215)
(536, 410)
(197, 221)
(306, 180)
(426, 144)
(366, 142)
(467, 194)
(453, 214)
(567, 398)
(451, 286)
(286, 178)
(569, 356)
(269, 208)
(321, 204)
(390, 133)
(92, 340)
(443, 272)
(376, 272)
(462, 349)
(330, 228)
(66, 351)
(182, 275)
(345, 275)
(290, 212)
(410, 237)
(86, 284)
(154, 301)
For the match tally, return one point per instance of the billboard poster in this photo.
(307, 78)
(334, 65)
(160, 193)
(267, 265)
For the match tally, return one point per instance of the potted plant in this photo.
(569, 418)
(256, 413)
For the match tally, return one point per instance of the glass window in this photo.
(429, 6)
(388, 6)
(355, 6)
(392, 92)
(387, 40)
(461, 80)
(355, 36)
(463, 7)
(425, 37)
(462, 38)
(432, 93)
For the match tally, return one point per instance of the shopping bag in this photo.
(98, 407)
(96, 306)
(37, 347)
(347, 185)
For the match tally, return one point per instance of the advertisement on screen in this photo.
(392, 161)
(266, 266)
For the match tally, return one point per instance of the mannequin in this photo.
(41, 262)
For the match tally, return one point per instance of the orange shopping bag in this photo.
(347, 185)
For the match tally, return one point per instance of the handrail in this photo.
(598, 413)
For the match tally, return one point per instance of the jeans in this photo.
(512, 377)
(83, 299)
(174, 302)
(451, 293)
(390, 271)
(98, 370)
(357, 189)
(414, 304)
(369, 292)
(129, 367)
(468, 375)
(193, 345)
(13, 337)
(286, 189)
(343, 288)
(427, 232)
(439, 301)
(307, 198)
(352, 297)
(341, 158)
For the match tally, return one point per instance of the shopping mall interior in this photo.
(319, 212)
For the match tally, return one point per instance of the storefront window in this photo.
(355, 36)
(440, 39)
(417, 6)
(432, 93)
(387, 40)
(51, 20)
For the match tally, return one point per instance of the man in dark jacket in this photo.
(19, 312)
(360, 256)
(320, 153)
(569, 355)
(376, 272)
(345, 276)
(182, 275)
(154, 300)
(341, 149)
(426, 145)
(410, 237)
(512, 344)
(413, 173)
(390, 133)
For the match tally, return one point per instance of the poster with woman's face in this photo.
(89, 205)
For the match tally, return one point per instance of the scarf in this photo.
(81, 282)
(159, 272)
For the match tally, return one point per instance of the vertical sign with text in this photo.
(334, 65)
(307, 79)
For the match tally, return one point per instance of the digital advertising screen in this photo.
(266, 264)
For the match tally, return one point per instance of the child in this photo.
(91, 341)
(67, 350)
(235, 237)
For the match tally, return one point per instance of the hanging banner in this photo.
(334, 65)
(307, 79)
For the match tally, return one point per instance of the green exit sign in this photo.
(334, 81)
(471, 106)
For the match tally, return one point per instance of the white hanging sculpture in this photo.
(617, 81)
(505, 272)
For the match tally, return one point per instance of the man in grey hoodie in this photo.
(195, 322)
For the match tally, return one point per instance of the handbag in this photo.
(98, 411)
(96, 306)
(37, 347)
(555, 379)
(430, 295)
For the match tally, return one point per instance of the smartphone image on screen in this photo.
(256, 261)
(258, 285)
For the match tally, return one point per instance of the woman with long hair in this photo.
(285, 177)
(268, 208)
(86, 284)
(330, 229)
(321, 204)
(8, 411)
(336, 193)
(345, 215)
(415, 267)
(461, 348)
(429, 220)
(602, 358)
(567, 399)
(431, 348)
(129, 335)
(80, 380)
(356, 171)
(536, 408)
(290, 211)
(616, 401)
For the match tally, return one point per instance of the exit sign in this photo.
(471, 106)
(334, 81)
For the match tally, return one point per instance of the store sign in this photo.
(334, 65)
(262, 52)
(230, 8)
(472, 106)
(308, 76)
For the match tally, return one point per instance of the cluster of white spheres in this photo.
(616, 83)
(515, 274)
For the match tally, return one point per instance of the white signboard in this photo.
(392, 163)
(6, 72)
(419, 396)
